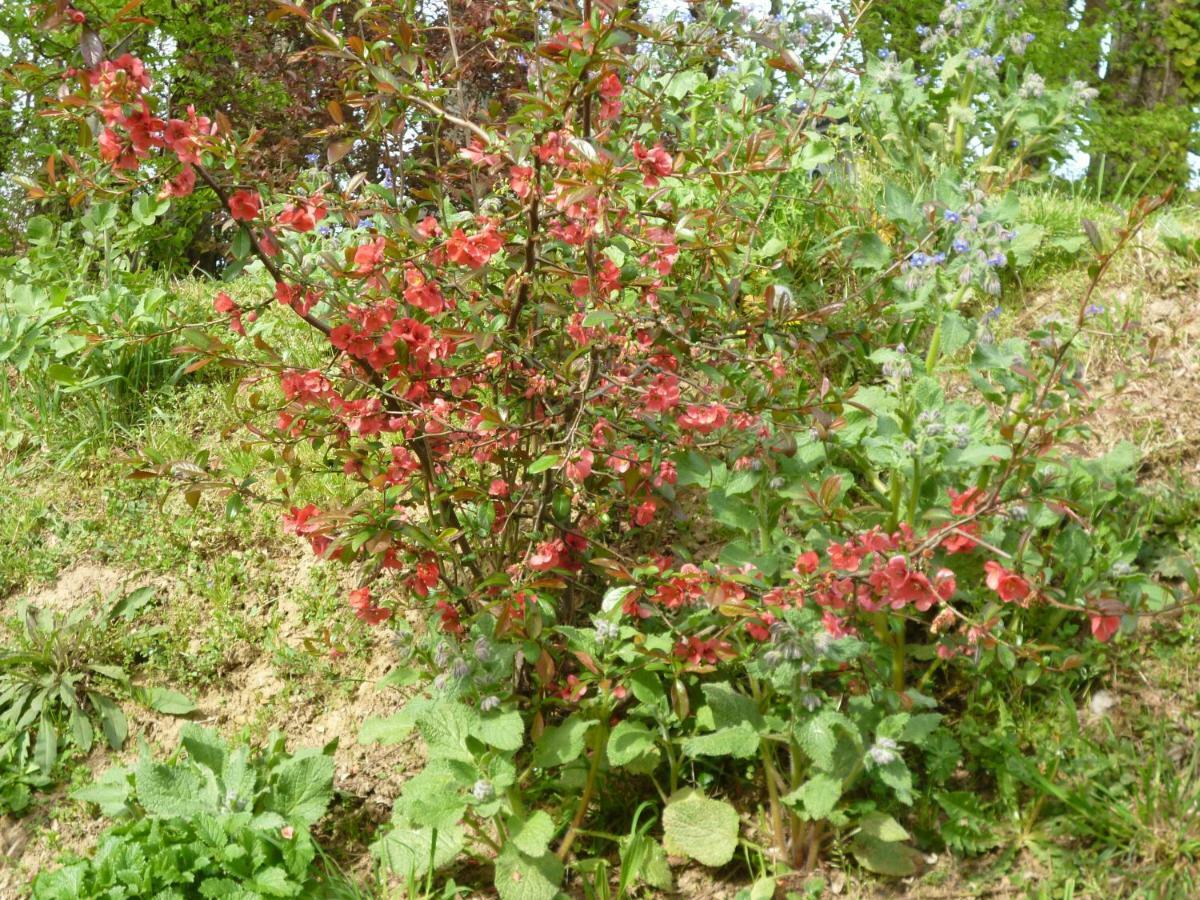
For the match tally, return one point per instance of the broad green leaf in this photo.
(740, 742)
(561, 744)
(542, 463)
(172, 792)
(630, 741)
(436, 796)
(521, 877)
(817, 797)
(45, 748)
(531, 836)
(731, 708)
(704, 830)
(301, 788)
(502, 730)
(205, 747)
(112, 719)
(644, 860)
(884, 857)
(919, 727)
(165, 700)
(408, 851)
(882, 827)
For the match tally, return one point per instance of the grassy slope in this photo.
(245, 613)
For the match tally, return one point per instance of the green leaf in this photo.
(112, 719)
(273, 881)
(531, 836)
(817, 151)
(542, 463)
(561, 744)
(1025, 242)
(732, 512)
(630, 741)
(205, 747)
(680, 84)
(166, 701)
(45, 748)
(740, 742)
(615, 596)
(408, 851)
(171, 791)
(731, 708)
(110, 791)
(818, 737)
(919, 727)
(646, 861)
(502, 730)
(301, 788)
(897, 776)
(394, 729)
(817, 797)
(773, 247)
(866, 250)
(704, 830)
(436, 796)
(446, 725)
(884, 857)
(521, 877)
(882, 827)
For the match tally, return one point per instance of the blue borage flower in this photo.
(960, 245)
(952, 217)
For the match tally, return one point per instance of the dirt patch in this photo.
(79, 585)
(1141, 361)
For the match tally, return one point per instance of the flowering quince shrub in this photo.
(631, 533)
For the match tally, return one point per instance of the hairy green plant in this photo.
(213, 820)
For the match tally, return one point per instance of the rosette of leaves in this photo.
(211, 821)
(20, 776)
(60, 676)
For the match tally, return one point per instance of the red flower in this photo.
(703, 419)
(181, 185)
(305, 215)
(475, 250)
(697, 651)
(1011, 587)
(644, 513)
(366, 609)
(548, 555)
(806, 563)
(663, 394)
(520, 179)
(655, 163)
(368, 256)
(610, 96)
(1104, 627)
(244, 205)
(760, 628)
(449, 616)
(578, 469)
(573, 690)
